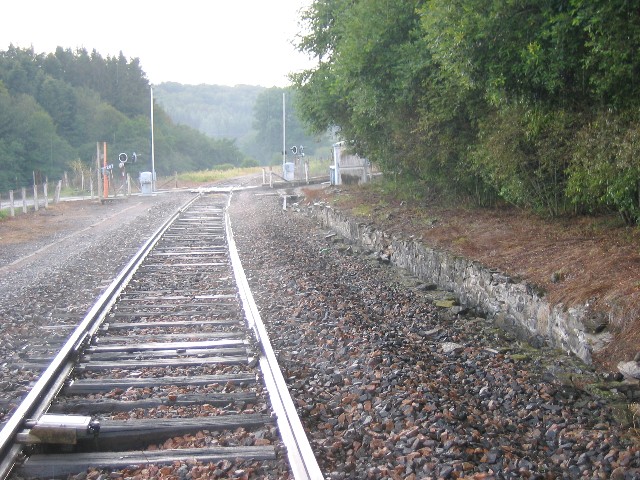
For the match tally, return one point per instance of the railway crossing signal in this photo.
(124, 158)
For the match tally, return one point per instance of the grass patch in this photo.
(70, 192)
(319, 167)
(363, 210)
(520, 357)
(424, 221)
(602, 391)
(216, 175)
(461, 240)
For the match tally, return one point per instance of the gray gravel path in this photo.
(390, 387)
(47, 284)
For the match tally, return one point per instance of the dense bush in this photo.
(489, 101)
(523, 152)
(605, 168)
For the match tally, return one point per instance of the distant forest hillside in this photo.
(249, 115)
(216, 110)
(527, 103)
(54, 107)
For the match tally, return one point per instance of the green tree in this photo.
(368, 75)
(611, 32)
(55, 107)
(484, 99)
(604, 174)
(267, 123)
(59, 100)
(28, 141)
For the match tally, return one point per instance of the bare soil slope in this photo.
(594, 260)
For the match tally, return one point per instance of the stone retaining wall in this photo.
(512, 304)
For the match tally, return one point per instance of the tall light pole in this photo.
(284, 140)
(153, 164)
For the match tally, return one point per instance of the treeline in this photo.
(219, 111)
(251, 115)
(55, 107)
(530, 102)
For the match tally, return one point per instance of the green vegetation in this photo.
(250, 115)
(362, 211)
(319, 165)
(532, 103)
(216, 110)
(217, 174)
(55, 107)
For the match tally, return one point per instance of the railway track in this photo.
(171, 368)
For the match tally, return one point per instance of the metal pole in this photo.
(98, 170)
(105, 179)
(284, 142)
(153, 165)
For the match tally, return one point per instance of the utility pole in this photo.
(153, 165)
(284, 142)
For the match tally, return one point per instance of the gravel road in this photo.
(50, 279)
(391, 387)
(388, 385)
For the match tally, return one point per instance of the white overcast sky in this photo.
(188, 41)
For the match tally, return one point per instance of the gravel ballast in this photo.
(49, 281)
(391, 387)
(388, 385)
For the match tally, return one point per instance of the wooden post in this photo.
(91, 185)
(98, 169)
(128, 184)
(24, 199)
(58, 189)
(45, 193)
(105, 188)
(11, 205)
(66, 180)
(175, 174)
(35, 197)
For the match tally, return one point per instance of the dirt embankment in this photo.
(594, 260)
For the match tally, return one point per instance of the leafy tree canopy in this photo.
(489, 101)
(55, 107)
(251, 115)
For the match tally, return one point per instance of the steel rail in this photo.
(52, 379)
(302, 460)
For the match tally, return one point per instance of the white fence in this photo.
(33, 198)
(39, 195)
